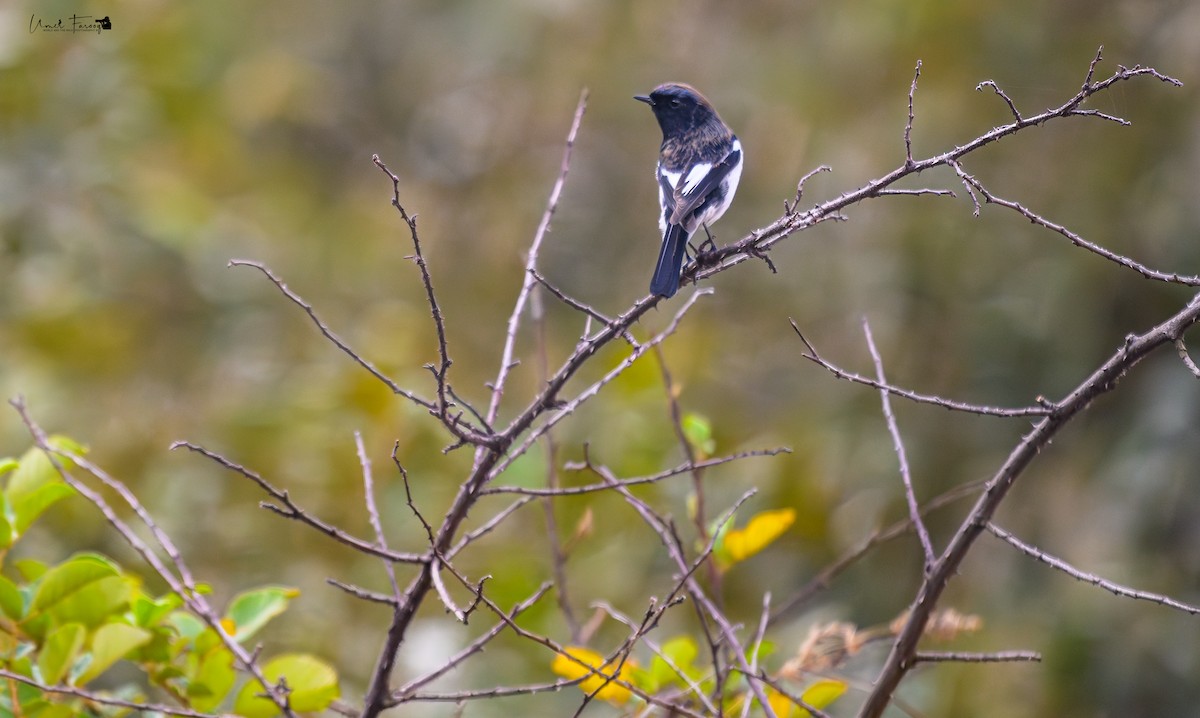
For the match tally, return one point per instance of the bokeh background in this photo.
(136, 162)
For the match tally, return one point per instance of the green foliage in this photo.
(66, 624)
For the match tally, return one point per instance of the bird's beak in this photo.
(644, 98)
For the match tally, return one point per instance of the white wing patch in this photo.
(694, 177)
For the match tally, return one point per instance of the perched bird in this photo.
(699, 166)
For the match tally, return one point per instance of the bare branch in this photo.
(364, 594)
(289, 508)
(580, 306)
(487, 527)
(961, 657)
(912, 90)
(439, 372)
(1078, 241)
(915, 192)
(1186, 358)
(1007, 100)
(373, 510)
(840, 373)
(328, 333)
(1061, 565)
(825, 576)
(102, 699)
(652, 479)
(514, 321)
(546, 399)
(914, 508)
(408, 689)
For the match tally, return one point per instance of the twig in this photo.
(289, 509)
(561, 411)
(915, 192)
(1061, 565)
(580, 306)
(961, 657)
(364, 594)
(914, 508)
(439, 372)
(652, 479)
(789, 210)
(825, 576)
(1186, 358)
(699, 515)
(1078, 241)
(912, 90)
(401, 694)
(514, 321)
(329, 334)
(102, 699)
(1007, 100)
(949, 404)
(373, 510)
(487, 527)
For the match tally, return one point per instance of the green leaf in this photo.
(823, 692)
(8, 464)
(186, 624)
(87, 588)
(36, 470)
(30, 568)
(60, 651)
(213, 680)
(12, 603)
(312, 681)
(681, 651)
(35, 503)
(149, 612)
(251, 610)
(698, 431)
(52, 710)
(110, 643)
(7, 535)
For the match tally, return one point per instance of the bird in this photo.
(699, 165)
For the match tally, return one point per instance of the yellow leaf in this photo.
(823, 692)
(781, 705)
(572, 669)
(763, 529)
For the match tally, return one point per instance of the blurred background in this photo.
(137, 161)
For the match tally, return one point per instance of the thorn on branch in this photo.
(1091, 71)
(1007, 100)
(760, 254)
(912, 90)
(800, 187)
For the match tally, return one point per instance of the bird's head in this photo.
(679, 108)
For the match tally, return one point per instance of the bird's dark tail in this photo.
(670, 262)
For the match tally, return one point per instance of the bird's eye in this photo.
(674, 102)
